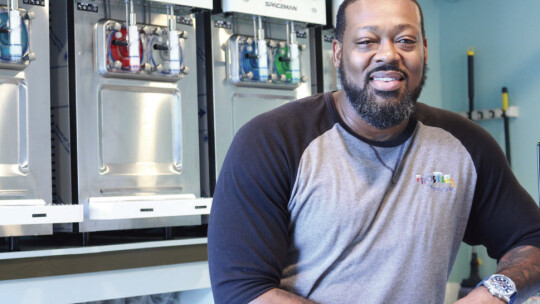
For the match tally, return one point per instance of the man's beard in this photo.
(381, 115)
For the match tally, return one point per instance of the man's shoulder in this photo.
(472, 136)
(452, 122)
(433, 115)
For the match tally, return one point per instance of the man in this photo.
(364, 195)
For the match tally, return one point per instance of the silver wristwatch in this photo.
(501, 286)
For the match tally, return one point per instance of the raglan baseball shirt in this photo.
(305, 205)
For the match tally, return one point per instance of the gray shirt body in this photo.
(363, 223)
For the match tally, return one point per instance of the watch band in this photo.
(492, 288)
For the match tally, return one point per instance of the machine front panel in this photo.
(25, 153)
(247, 106)
(136, 111)
(259, 64)
(140, 131)
(13, 127)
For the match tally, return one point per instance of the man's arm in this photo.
(248, 226)
(274, 296)
(522, 265)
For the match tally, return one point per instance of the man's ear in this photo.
(425, 51)
(337, 49)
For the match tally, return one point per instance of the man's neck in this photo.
(359, 126)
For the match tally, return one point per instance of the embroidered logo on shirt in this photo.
(437, 181)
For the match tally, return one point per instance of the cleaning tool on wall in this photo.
(505, 112)
(470, 69)
(506, 123)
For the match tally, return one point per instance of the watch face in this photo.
(503, 284)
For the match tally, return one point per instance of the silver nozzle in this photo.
(171, 19)
(131, 17)
(13, 5)
(293, 33)
(255, 29)
(288, 32)
(261, 30)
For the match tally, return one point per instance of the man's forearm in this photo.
(280, 296)
(522, 265)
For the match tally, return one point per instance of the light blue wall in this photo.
(506, 38)
(432, 93)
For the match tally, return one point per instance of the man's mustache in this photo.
(387, 67)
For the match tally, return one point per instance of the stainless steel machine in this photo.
(259, 63)
(330, 77)
(125, 113)
(25, 150)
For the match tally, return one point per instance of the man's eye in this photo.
(365, 42)
(407, 41)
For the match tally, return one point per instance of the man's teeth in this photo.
(384, 79)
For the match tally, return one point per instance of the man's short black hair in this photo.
(341, 22)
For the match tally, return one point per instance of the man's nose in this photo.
(387, 52)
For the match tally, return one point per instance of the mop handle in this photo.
(506, 124)
(538, 152)
(470, 64)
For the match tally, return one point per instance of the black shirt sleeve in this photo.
(503, 215)
(247, 237)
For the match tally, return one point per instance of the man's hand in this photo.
(480, 295)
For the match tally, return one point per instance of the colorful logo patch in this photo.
(437, 181)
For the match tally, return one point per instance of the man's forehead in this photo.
(397, 27)
(367, 9)
(407, 7)
(382, 2)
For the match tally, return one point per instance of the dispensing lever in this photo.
(119, 43)
(161, 47)
(251, 56)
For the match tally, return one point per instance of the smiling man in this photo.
(364, 195)
(381, 58)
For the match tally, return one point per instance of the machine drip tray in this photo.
(129, 207)
(36, 211)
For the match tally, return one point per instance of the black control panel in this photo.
(87, 7)
(35, 2)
